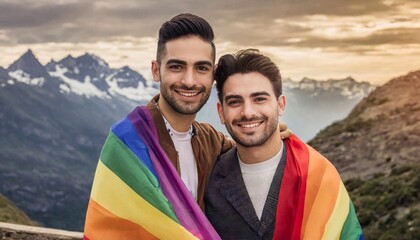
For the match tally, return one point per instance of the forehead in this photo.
(245, 84)
(189, 49)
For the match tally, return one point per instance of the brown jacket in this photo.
(207, 144)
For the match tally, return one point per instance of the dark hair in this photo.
(247, 61)
(182, 25)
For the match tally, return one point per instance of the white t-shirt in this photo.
(258, 178)
(188, 166)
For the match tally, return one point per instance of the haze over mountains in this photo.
(54, 120)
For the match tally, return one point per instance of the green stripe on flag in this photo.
(351, 228)
(125, 164)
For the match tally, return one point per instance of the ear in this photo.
(155, 71)
(220, 112)
(281, 104)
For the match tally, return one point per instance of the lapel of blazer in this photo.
(234, 190)
(270, 207)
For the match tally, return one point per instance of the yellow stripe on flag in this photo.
(118, 198)
(338, 216)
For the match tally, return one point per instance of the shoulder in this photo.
(226, 163)
(308, 158)
(210, 135)
(205, 128)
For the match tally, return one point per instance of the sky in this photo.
(371, 41)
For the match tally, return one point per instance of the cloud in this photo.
(285, 22)
(24, 14)
(116, 30)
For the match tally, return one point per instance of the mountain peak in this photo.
(91, 59)
(29, 64)
(29, 53)
(68, 58)
(126, 68)
(68, 61)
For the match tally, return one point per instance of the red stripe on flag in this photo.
(290, 208)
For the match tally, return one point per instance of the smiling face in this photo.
(250, 109)
(185, 74)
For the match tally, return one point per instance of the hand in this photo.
(284, 131)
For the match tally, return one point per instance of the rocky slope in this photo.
(382, 131)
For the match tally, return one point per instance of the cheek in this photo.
(232, 114)
(206, 80)
(168, 78)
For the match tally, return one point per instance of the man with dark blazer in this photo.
(266, 187)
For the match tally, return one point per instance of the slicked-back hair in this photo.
(183, 25)
(247, 61)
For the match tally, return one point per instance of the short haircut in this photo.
(247, 61)
(183, 25)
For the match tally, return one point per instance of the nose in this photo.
(189, 77)
(248, 110)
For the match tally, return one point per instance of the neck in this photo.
(264, 152)
(178, 121)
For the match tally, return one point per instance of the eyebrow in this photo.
(255, 94)
(208, 63)
(176, 61)
(182, 62)
(232, 97)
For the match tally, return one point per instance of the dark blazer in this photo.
(229, 207)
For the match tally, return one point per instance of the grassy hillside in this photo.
(11, 214)
(388, 205)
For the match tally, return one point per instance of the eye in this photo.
(259, 99)
(175, 67)
(203, 68)
(233, 102)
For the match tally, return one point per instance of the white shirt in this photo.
(258, 178)
(188, 166)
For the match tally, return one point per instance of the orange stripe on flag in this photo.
(322, 188)
(100, 224)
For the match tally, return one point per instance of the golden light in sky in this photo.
(371, 41)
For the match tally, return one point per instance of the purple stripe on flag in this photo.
(186, 209)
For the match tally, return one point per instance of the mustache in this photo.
(245, 119)
(186, 88)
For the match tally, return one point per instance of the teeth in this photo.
(188, 94)
(249, 125)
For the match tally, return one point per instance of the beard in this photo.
(179, 106)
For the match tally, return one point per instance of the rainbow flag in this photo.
(137, 193)
(313, 202)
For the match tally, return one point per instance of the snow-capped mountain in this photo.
(87, 75)
(53, 122)
(27, 69)
(90, 76)
(347, 87)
